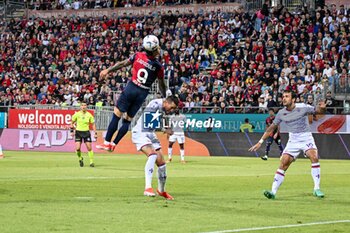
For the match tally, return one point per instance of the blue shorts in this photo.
(131, 99)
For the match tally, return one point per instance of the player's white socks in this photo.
(182, 154)
(106, 143)
(161, 178)
(316, 174)
(278, 180)
(170, 152)
(149, 169)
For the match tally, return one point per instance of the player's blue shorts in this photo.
(131, 99)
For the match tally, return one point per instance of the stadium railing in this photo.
(246, 110)
(291, 5)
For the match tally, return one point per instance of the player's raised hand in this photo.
(255, 147)
(104, 73)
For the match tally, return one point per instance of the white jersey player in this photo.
(295, 119)
(146, 141)
(178, 135)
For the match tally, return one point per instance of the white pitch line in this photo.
(19, 178)
(67, 178)
(282, 226)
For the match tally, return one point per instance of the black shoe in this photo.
(81, 163)
(92, 165)
(265, 157)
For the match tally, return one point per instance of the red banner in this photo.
(41, 118)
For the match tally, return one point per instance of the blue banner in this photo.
(2, 120)
(224, 122)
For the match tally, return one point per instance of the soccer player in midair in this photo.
(146, 69)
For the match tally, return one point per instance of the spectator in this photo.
(56, 57)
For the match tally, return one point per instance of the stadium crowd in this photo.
(215, 62)
(95, 4)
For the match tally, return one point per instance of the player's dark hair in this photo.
(294, 95)
(271, 109)
(246, 120)
(173, 99)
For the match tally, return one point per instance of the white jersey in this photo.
(295, 122)
(175, 125)
(141, 136)
(153, 106)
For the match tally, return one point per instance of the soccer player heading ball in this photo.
(146, 69)
(295, 117)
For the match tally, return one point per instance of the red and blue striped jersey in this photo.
(145, 70)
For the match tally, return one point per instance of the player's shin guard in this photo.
(278, 180)
(91, 156)
(112, 128)
(122, 131)
(316, 174)
(161, 178)
(149, 169)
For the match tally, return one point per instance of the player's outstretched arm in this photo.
(267, 133)
(115, 67)
(162, 87)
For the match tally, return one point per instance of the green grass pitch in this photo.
(49, 192)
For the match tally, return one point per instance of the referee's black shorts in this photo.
(82, 136)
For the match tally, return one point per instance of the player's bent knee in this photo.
(117, 112)
(127, 118)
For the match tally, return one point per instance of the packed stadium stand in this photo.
(216, 62)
